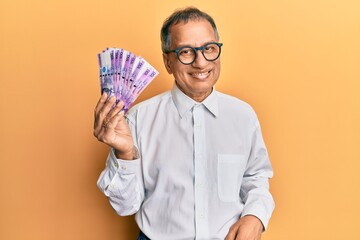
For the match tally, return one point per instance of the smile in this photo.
(200, 75)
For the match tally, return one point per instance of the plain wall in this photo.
(296, 62)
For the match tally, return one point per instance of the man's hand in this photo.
(246, 228)
(111, 128)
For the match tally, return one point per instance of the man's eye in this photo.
(185, 52)
(209, 48)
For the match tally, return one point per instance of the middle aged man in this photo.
(191, 162)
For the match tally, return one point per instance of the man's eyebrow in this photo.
(188, 45)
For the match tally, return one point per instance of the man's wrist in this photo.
(130, 155)
(254, 219)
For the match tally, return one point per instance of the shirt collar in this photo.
(184, 103)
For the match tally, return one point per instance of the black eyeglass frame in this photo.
(195, 49)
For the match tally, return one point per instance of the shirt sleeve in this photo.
(121, 181)
(255, 186)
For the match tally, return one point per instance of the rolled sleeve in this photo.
(120, 182)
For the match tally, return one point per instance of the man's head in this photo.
(183, 16)
(194, 29)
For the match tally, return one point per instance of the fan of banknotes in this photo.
(124, 75)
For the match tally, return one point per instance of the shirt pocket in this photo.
(230, 170)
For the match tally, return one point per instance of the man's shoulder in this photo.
(236, 109)
(229, 101)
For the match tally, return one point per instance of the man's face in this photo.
(197, 79)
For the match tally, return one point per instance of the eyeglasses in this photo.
(187, 55)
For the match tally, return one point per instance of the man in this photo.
(191, 162)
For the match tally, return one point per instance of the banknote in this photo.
(124, 75)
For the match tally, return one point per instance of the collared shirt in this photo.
(202, 167)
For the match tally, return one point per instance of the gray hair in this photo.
(183, 15)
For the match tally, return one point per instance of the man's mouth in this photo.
(200, 75)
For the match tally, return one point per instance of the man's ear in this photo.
(167, 64)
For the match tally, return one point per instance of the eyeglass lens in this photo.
(210, 52)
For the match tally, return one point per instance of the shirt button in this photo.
(116, 164)
(123, 167)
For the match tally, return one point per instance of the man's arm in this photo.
(121, 179)
(255, 186)
(254, 192)
(121, 182)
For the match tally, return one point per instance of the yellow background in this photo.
(296, 62)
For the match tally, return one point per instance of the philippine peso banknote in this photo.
(124, 75)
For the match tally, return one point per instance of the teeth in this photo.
(200, 74)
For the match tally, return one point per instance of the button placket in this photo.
(200, 180)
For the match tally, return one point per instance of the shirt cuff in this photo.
(116, 168)
(258, 211)
(124, 167)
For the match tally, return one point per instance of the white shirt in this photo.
(202, 167)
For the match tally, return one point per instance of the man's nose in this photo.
(200, 60)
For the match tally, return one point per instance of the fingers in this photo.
(246, 228)
(101, 102)
(104, 113)
(119, 106)
(101, 111)
(109, 132)
(232, 234)
(97, 113)
(113, 121)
